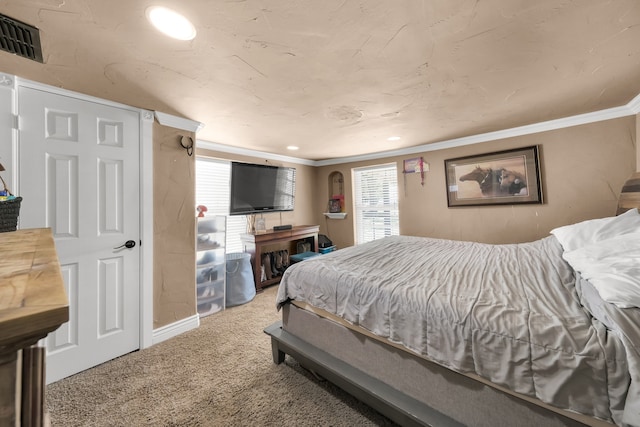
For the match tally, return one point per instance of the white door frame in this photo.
(146, 184)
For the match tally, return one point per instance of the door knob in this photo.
(128, 244)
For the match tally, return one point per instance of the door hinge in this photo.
(16, 122)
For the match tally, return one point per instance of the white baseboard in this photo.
(175, 329)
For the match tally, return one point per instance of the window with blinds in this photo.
(212, 190)
(376, 202)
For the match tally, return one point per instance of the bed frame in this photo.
(403, 386)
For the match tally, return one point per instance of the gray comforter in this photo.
(517, 315)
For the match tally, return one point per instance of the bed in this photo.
(448, 333)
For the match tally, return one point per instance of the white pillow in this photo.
(575, 236)
(613, 267)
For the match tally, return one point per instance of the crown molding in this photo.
(178, 122)
(634, 105)
(631, 108)
(208, 145)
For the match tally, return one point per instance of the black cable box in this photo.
(282, 227)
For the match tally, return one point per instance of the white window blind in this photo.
(376, 202)
(212, 191)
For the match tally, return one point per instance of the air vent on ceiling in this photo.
(20, 38)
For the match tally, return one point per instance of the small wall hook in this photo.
(189, 144)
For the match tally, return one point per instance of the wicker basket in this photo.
(9, 212)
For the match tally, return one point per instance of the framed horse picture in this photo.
(499, 178)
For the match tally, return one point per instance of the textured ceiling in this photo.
(337, 78)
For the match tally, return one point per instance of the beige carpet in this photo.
(220, 374)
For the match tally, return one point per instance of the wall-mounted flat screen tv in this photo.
(261, 188)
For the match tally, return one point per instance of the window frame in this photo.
(218, 204)
(383, 188)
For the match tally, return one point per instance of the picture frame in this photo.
(261, 226)
(334, 206)
(499, 178)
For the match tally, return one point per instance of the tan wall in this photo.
(174, 223)
(582, 171)
(305, 210)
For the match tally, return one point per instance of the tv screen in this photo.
(261, 188)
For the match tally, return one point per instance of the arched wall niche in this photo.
(336, 188)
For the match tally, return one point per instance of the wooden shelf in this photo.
(253, 244)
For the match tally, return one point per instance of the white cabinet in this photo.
(210, 264)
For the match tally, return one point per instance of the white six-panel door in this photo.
(79, 175)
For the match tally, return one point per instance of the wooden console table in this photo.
(33, 303)
(253, 243)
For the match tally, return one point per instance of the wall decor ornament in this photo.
(413, 166)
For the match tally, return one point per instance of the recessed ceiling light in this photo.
(171, 23)
(292, 147)
(394, 138)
